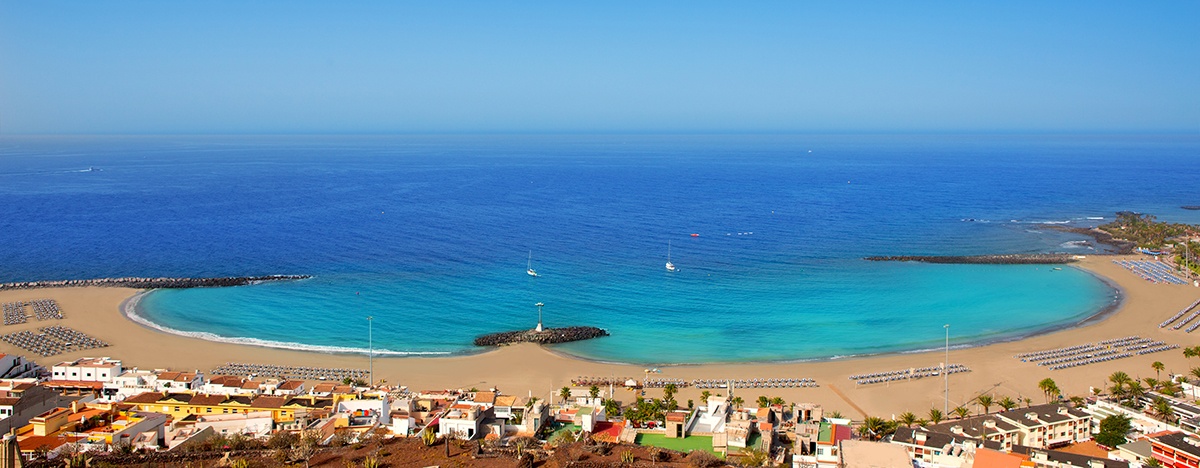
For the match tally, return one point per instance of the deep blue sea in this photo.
(430, 235)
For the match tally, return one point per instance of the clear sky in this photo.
(607, 66)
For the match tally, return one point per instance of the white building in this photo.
(462, 421)
(17, 367)
(255, 424)
(101, 369)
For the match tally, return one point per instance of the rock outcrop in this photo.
(546, 336)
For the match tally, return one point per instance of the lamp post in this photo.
(370, 351)
(539, 306)
(946, 371)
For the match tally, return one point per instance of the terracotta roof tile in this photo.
(268, 402)
(148, 397)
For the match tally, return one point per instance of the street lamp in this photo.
(946, 371)
(539, 306)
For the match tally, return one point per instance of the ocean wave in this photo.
(1075, 244)
(131, 311)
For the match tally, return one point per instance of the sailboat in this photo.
(529, 266)
(670, 266)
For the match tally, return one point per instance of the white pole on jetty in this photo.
(946, 372)
(539, 306)
(370, 351)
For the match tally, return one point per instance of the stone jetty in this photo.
(546, 336)
(1009, 259)
(153, 283)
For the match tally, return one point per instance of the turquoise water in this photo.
(430, 235)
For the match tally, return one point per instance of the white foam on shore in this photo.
(130, 311)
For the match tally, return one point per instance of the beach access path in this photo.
(526, 368)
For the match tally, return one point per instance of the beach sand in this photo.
(530, 369)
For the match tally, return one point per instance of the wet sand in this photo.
(525, 369)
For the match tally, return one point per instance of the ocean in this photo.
(431, 235)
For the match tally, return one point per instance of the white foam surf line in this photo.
(130, 310)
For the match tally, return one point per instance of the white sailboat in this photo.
(529, 266)
(670, 266)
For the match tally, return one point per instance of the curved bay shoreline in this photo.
(523, 368)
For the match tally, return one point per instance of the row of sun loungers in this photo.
(46, 309)
(586, 381)
(660, 383)
(803, 382)
(1086, 350)
(1179, 314)
(1156, 349)
(1079, 357)
(14, 313)
(43, 309)
(1121, 341)
(289, 372)
(53, 340)
(1107, 350)
(1152, 271)
(905, 374)
(1094, 360)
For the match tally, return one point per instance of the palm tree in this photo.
(1077, 401)
(565, 394)
(985, 401)
(594, 392)
(738, 402)
(1152, 383)
(936, 416)
(1170, 388)
(777, 401)
(1136, 390)
(1158, 367)
(1048, 387)
(962, 412)
(874, 427)
(704, 396)
(1028, 401)
(1007, 403)
(1191, 351)
(763, 401)
(1161, 408)
(669, 390)
(612, 408)
(907, 418)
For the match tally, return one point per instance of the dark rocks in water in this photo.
(153, 283)
(1009, 259)
(1191, 207)
(546, 336)
(1121, 246)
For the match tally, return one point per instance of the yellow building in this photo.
(282, 408)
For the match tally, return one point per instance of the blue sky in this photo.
(406, 67)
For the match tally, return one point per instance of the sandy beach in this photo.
(525, 369)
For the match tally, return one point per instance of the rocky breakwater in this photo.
(546, 336)
(153, 283)
(1009, 259)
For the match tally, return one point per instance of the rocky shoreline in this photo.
(153, 283)
(1008, 259)
(546, 336)
(1122, 246)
